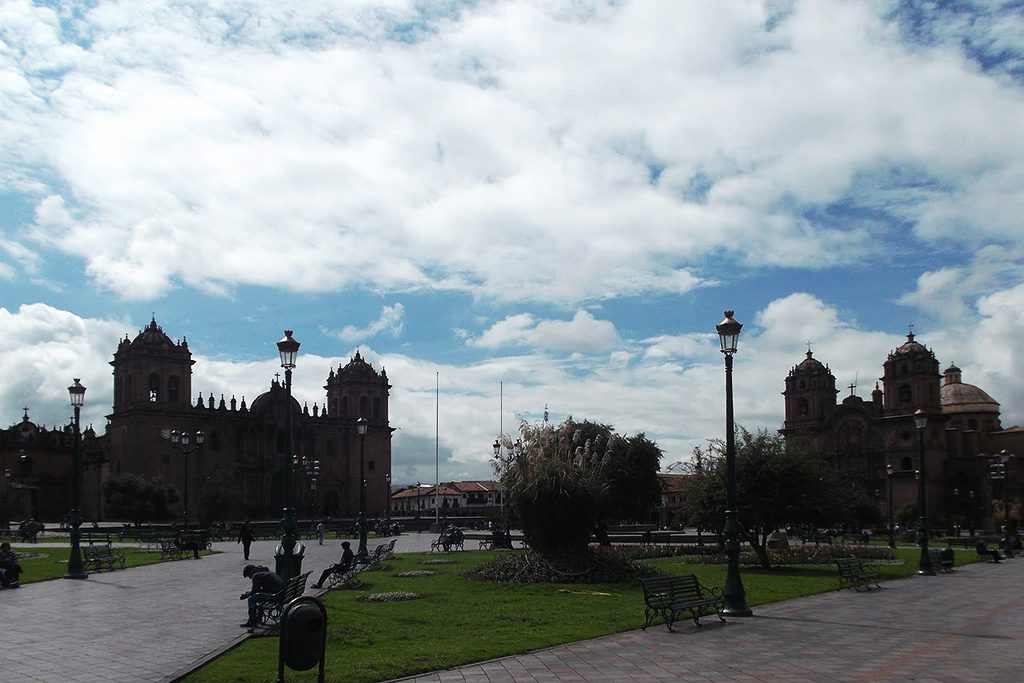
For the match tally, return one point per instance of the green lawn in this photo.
(41, 563)
(458, 621)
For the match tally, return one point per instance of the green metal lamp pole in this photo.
(889, 470)
(1004, 459)
(182, 442)
(734, 594)
(288, 558)
(361, 428)
(75, 568)
(924, 564)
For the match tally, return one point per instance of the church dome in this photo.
(153, 335)
(909, 347)
(960, 397)
(810, 364)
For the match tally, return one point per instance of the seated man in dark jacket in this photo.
(9, 567)
(346, 562)
(265, 584)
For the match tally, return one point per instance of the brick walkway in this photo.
(965, 626)
(155, 623)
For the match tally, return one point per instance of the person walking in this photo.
(321, 529)
(245, 537)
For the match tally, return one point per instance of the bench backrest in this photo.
(849, 566)
(95, 551)
(662, 591)
(293, 588)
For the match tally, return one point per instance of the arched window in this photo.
(906, 464)
(376, 407)
(972, 424)
(154, 387)
(363, 401)
(905, 393)
(344, 406)
(804, 407)
(213, 441)
(172, 389)
(334, 408)
(330, 448)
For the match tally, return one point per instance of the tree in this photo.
(217, 498)
(551, 484)
(137, 499)
(631, 487)
(777, 484)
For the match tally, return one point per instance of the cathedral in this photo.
(864, 438)
(248, 442)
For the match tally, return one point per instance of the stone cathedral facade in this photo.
(153, 391)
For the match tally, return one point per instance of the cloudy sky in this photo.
(558, 196)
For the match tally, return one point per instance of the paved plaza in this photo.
(156, 623)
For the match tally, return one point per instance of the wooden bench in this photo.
(984, 551)
(941, 559)
(169, 551)
(670, 596)
(270, 611)
(99, 557)
(346, 579)
(852, 574)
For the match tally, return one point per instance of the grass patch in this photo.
(42, 563)
(458, 621)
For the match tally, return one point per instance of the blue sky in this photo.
(562, 197)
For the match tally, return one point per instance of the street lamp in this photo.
(184, 443)
(288, 558)
(999, 472)
(924, 564)
(889, 470)
(361, 429)
(735, 597)
(387, 514)
(75, 568)
(970, 511)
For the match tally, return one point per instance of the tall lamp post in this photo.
(387, 488)
(970, 511)
(288, 558)
(924, 564)
(75, 568)
(734, 594)
(185, 444)
(889, 470)
(361, 424)
(1002, 459)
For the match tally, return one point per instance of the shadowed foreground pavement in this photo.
(156, 623)
(965, 626)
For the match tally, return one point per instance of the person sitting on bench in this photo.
(184, 546)
(265, 584)
(984, 551)
(347, 560)
(9, 567)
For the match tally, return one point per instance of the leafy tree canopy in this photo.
(137, 499)
(777, 485)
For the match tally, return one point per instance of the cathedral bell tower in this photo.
(152, 371)
(810, 394)
(911, 380)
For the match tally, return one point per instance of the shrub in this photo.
(595, 565)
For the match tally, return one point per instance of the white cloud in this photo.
(516, 150)
(583, 334)
(389, 322)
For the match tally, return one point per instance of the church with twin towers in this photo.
(153, 391)
(863, 438)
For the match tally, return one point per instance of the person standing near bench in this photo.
(10, 570)
(245, 538)
(348, 558)
(265, 584)
(321, 530)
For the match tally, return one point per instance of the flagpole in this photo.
(437, 437)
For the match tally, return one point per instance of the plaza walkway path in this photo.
(156, 623)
